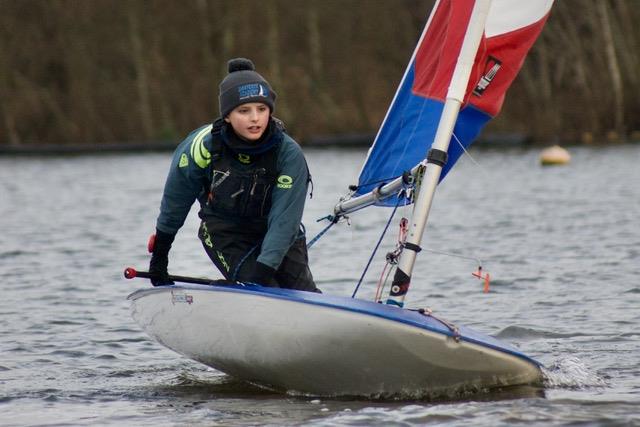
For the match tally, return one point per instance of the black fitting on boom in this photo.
(437, 157)
(407, 178)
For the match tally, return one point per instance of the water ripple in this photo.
(523, 333)
(105, 357)
(69, 353)
(16, 254)
(562, 263)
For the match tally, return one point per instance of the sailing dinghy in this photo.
(467, 56)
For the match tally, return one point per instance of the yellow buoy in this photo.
(554, 155)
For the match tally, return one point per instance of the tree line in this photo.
(104, 71)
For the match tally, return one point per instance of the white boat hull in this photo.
(323, 345)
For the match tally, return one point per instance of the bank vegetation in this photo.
(104, 71)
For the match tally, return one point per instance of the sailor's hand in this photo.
(262, 274)
(158, 270)
(159, 246)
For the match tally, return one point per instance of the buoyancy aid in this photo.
(239, 186)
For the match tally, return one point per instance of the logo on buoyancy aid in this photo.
(244, 158)
(184, 161)
(252, 90)
(285, 181)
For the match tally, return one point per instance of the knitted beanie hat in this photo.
(242, 85)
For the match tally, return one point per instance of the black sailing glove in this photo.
(262, 274)
(160, 258)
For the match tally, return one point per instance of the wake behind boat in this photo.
(468, 55)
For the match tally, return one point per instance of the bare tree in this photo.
(614, 68)
(142, 83)
(105, 70)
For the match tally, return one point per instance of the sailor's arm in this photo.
(184, 181)
(287, 205)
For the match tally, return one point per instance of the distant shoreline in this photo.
(49, 149)
(333, 141)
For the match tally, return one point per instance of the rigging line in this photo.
(486, 174)
(380, 181)
(383, 282)
(380, 283)
(455, 331)
(473, 160)
(320, 234)
(478, 260)
(386, 227)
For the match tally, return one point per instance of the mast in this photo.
(437, 156)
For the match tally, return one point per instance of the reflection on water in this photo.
(561, 245)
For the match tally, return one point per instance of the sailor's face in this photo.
(249, 120)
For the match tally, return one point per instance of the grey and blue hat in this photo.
(242, 85)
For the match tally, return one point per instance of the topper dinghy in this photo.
(467, 56)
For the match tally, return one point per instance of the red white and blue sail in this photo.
(412, 119)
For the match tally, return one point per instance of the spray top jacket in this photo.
(190, 177)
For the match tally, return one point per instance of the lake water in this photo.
(562, 245)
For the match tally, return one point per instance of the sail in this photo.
(410, 125)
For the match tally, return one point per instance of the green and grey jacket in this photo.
(250, 192)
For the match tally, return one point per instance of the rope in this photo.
(382, 283)
(479, 273)
(455, 331)
(319, 235)
(433, 251)
(392, 259)
(478, 165)
(386, 227)
(380, 181)
(334, 219)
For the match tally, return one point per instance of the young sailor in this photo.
(251, 179)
